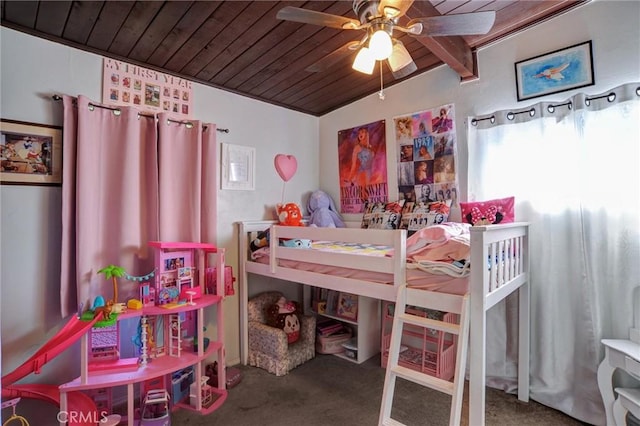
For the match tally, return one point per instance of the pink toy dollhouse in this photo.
(175, 278)
(147, 294)
(105, 343)
(171, 334)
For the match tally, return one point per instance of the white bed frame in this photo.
(487, 286)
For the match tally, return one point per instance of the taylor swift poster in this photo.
(362, 162)
(426, 146)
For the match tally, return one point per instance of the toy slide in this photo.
(67, 336)
(77, 402)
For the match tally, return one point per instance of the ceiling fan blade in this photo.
(296, 14)
(457, 24)
(334, 57)
(394, 8)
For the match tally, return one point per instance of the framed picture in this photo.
(347, 306)
(31, 154)
(556, 71)
(238, 167)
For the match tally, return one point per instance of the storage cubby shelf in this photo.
(365, 327)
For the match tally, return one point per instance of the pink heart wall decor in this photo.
(286, 166)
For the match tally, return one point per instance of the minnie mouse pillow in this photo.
(285, 314)
(489, 212)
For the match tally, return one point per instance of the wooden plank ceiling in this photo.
(241, 47)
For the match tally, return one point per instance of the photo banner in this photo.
(362, 164)
(131, 85)
(426, 144)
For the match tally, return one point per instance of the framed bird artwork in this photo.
(557, 71)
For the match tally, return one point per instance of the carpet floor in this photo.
(328, 391)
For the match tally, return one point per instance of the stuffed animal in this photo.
(296, 243)
(284, 314)
(261, 240)
(323, 211)
(289, 214)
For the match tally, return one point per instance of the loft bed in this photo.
(503, 249)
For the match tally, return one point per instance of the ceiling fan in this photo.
(379, 19)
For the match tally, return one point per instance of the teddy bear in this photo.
(284, 314)
(289, 214)
(323, 211)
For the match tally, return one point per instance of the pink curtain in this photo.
(68, 297)
(129, 179)
(187, 158)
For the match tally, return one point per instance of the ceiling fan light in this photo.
(391, 11)
(364, 62)
(400, 57)
(405, 71)
(380, 45)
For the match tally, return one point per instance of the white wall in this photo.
(611, 25)
(32, 70)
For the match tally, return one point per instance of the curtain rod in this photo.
(116, 111)
(551, 107)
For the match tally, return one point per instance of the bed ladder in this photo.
(426, 299)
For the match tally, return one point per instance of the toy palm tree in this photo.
(113, 272)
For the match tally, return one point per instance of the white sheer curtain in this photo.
(573, 168)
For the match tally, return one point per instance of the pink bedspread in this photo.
(428, 251)
(446, 242)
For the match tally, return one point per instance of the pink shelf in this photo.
(173, 245)
(220, 396)
(126, 364)
(157, 367)
(202, 302)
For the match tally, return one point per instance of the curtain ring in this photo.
(551, 108)
(492, 119)
(188, 125)
(611, 97)
(91, 107)
(117, 112)
(474, 122)
(532, 112)
(510, 115)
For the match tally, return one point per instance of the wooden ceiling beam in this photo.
(452, 50)
(518, 16)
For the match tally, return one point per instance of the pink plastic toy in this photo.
(181, 267)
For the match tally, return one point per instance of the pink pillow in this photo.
(489, 212)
